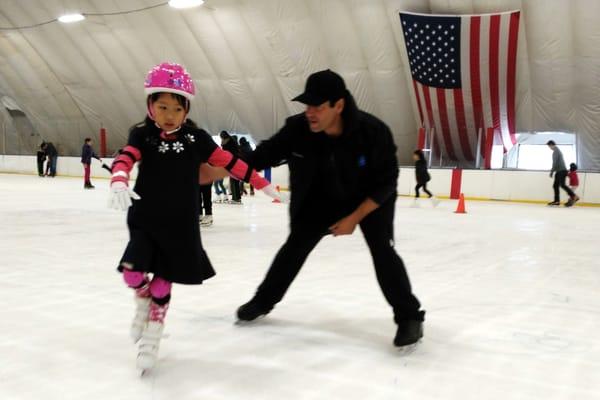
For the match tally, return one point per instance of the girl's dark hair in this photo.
(573, 167)
(183, 102)
(420, 154)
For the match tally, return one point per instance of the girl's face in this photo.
(415, 157)
(168, 113)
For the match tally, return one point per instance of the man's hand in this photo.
(344, 226)
(551, 174)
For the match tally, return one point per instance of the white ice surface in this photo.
(512, 293)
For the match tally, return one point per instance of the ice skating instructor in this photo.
(343, 173)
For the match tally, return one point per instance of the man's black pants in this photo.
(378, 231)
(560, 178)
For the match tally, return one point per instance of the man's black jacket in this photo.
(364, 159)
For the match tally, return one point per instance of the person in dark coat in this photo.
(52, 155)
(164, 236)
(422, 176)
(229, 143)
(560, 178)
(41, 157)
(87, 153)
(245, 151)
(343, 173)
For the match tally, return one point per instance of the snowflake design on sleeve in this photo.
(163, 148)
(178, 147)
(191, 138)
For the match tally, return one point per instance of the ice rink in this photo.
(512, 293)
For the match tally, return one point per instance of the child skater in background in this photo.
(423, 177)
(164, 237)
(573, 178)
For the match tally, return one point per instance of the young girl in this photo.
(573, 178)
(163, 217)
(422, 177)
(573, 184)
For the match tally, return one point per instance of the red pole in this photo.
(102, 142)
(489, 144)
(456, 183)
(421, 139)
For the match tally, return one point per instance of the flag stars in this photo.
(430, 47)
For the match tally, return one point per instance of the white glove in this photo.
(272, 192)
(120, 196)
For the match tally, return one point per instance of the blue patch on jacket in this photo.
(362, 161)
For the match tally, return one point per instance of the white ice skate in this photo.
(142, 309)
(434, 201)
(148, 349)
(206, 221)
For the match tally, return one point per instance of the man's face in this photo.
(168, 113)
(324, 117)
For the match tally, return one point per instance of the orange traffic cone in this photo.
(278, 191)
(461, 205)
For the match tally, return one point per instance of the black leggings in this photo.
(206, 199)
(424, 186)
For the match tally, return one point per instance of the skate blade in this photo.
(241, 322)
(408, 349)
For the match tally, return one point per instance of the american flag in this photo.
(464, 72)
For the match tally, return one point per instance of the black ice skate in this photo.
(554, 203)
(252, 310)
(409, 332)
(572, 201)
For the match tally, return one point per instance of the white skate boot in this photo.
(434, 201)
(140, 318)
(206, 221)
(148, 350)
(150, 342)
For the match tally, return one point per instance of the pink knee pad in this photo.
(159, 287)
(133, 279)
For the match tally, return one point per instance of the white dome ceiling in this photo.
(250, 57)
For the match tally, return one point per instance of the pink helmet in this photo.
(170, 78)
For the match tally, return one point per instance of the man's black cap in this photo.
(322, 86)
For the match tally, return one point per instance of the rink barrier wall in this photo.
(505, 185)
